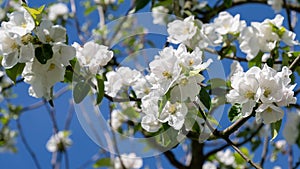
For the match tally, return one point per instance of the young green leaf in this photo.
(15, 71)
(80, 91)
(100, 93)
(103, 162)
(205, 98)
(275, 127)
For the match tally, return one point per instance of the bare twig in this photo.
(237, 144)
(290, 157)
(225, 136)
(28, 148)
(288, 13)
(265, 151)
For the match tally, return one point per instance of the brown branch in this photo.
(172, 159)
(237, 144)
(225, 135)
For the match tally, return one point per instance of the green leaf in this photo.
(35, 13)
(234, 113)
(100, 93)
(228, 3)
(90, 10)
(15, 71)
(275, 127)
(103, 162)
(256, 61)
(238, 158)
(131, 113)
(140, 4)
(80, 90)
(43, 53)
(205, 98)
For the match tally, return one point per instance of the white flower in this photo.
(244, 91)
(174, 114)
(277, 167)
(43, 76)
(129, 161)
(209, 165)
(226, 157)
(276, 4)
(268, 113)
(181, 31)
(123, 77)
(93, 56)
(188, 87)
(142, 87)
(117, 119)
(59, 141)
(57, 10)
(160, 15)
(165, 68)
(20, 23)
(13, 50)
(150, 108)
(291, 131)
(225, 23)
(49, 33)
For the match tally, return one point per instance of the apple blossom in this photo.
(225, 23)
(174, 114)
(58, 10)
(226, 157)
(276, 4)
(43, 76)
(59, 142)
(49, 33)
(182, 31)
(129, 161)
(122, 78)
(92, 56)
(160, 15)
(19, 23)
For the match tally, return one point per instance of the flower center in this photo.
(191, 62)
(250, 95)
(183, 81)
(167, 74)
(51, 67)
(267, 92)
(172, 109)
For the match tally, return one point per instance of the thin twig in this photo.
(28, 148)
(237, 144)
(265, 151)
(12, 84)
(290, 157)
(69, 115)
(295, 63)
(66, 159)
(226, 138)
(288, 13)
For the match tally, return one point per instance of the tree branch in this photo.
(265, 151)
(28, 148)
(172, 159)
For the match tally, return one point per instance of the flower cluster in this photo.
(259, 37)
(40, 46)
(266, 88)
(59, 141)
(174, 72)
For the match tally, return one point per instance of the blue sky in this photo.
(37, 125)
